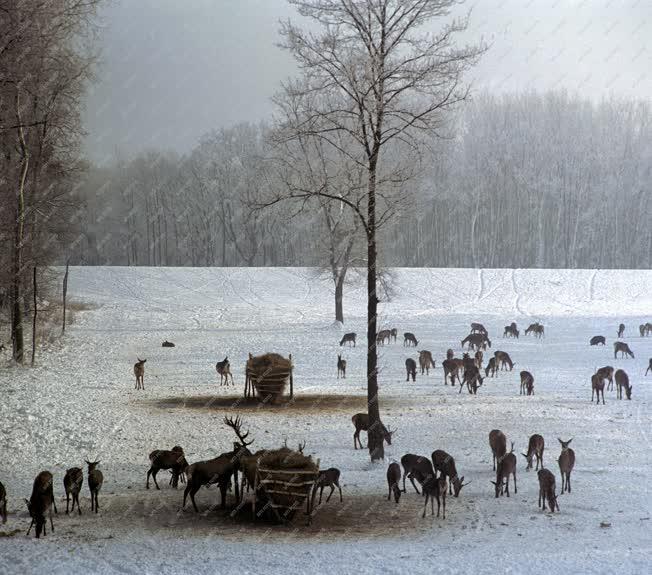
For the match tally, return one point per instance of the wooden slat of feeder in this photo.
(297, 471)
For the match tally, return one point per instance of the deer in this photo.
(384, 334)
(597, 340)
(411, 369)
(478, 328)
(41, 503)
(416, 467)
(498, 444)
(478, 358)
(649, 367)
(503, 359)
(452, 367)
(450, 354)
(648, 328)
(527, 383)
(472, 378)
(434, 488)
(409, 339)
(445, 465)
(506, 467)
(622, 381)
(535, 448)
(566, 463)
(173, 459)
(394, 333)
(606, 372)
(348, 337)
(426, 361)
(511, 331)
(621, 330)
(361, 423)
(3, 503)
(535, 328)
(547, 489)
(327, 478)
(623, 348)
(642, 330)
(139, 372)
(72, 484)
(476, 341)
(223, 368)
(393, 481)
(490, 370)
(95, 480)
(341, 367)
(167, 343)
(597, 387)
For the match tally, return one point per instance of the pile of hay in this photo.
(269, 375)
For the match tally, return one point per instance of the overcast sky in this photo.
(175, 69)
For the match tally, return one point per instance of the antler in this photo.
(236, 425)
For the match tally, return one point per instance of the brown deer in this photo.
(547, 490)
(341, 367)
(173, 459)
(394, 333)
(445, 465)
(361, 423)
(426, 361)
(498, 444)
(535, 448)
(476, 341)
(597, 388)
(621, 330)
(606, 372)
(452, 367)
(223, 368)
(503, 359)
(327, 478)
(506, 467)
(535, 328)
(139, 372)
(472, 378)
(434, 488)
(411, 369)
(490, 370)
(393, 481)
(479, 357)
(72, 484)
(383, 334)
(566, 463)
(478, 328)
(409, 339)
(41, 503)
(642, 330)
(95, 480)
(527, 383)
(3, 503)
(348, 337)
(622, 381)
(416, 467)
(649, 367)
(597, 339)
(511, 331)
(623, 348)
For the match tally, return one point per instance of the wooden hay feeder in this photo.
(268, 375)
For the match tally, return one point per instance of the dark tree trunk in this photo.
(339, 298)
(65, 293)
(34, 312)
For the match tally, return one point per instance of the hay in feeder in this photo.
(268, 374)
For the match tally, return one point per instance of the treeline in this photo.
(533, 180)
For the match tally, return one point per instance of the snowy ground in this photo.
(79, 402)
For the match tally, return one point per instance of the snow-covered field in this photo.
(79, 402)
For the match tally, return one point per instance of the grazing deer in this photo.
(622, 381)
(328, 478)
(535, 448)
(478, 328)
(95, 480)
(490, 370)
(506, 467)
(606, 372)
(393, 481)
(503, 359)
(139, 372)
(476, 341)
(41, 503)
(535, 328)
(649, 367)
(416, 467)
(3, 503)
(566, 463)
(173, 459)
(445, 464)
(547, 490)
(426, 361)
(434, 488)
(511, 331)
(409, 339)
(411, 369)
(621, 330)
(623, 348)
(472, 378)
(341, 367)
(451, 367)
(223, 368)
(167, 343)
(394, 333)
(361, 423)
(597, 387)
(384, 334)
(348, 337)
(72, 484)
(479, 357)
(498, 444)
(597, 339)
(527, 383)
(648, 328)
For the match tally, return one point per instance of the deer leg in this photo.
(97, 505)
(54, 503)
(194, 490)
(321, 492)
(438, 506)
(515, 489)
(338, 486)
(76, 497)
(154, 478)
(355, 436)
(331, 493)
(51, 523)
(413, 484)
(67, 501)
(425, 506)
(568, 483)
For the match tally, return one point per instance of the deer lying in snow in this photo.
(622, 381)
(527, 383)
(327, 478)
(41, 503)
(445, 465)
(506, 467)
(173, 459)
(341, 367)
(566, 463)
(95, 480)
(361, 423)
(623, 348)
(223, 368)
(348, 337)
(535, 448)
(426, 361)
(498, 444)
(72, 484)
(393, 481)
(547, 490)
(416, 467)
(411, 369)
(139, 372)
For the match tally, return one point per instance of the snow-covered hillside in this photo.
(79, 402)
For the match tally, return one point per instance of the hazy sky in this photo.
(175, 69)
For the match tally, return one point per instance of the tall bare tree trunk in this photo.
(34, 312)
(65, 293)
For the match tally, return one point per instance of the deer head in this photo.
(564, 444)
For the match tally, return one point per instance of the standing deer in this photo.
(348, 337)
(223, 368)
(472, 378)
(623, 348)
(547, 490)
(597, 388)
(95, 480)
(511, 331)
(606, 372)
(361, 423)
(649, 367)
(139, 372)
(328, 478)
(72, 484)
(503, 359)
(566, 463)
(411, 369)
(536, 328)
(527, 383)
(535, 448)
(476, 341)
(642, 330)
(3, 503)
(41, 503)
(490, 370)
(416, 467)
(479, 356)
(498, 444)
(597, 339)
(173, 459)
(393, 481)
(394, 333)
(445, 464)
(434, 488)
(452, 367)
(622, 381)
(621, 330)
(383, 334)
(506, 467)
(426, 361)
(341, 367)
(409, 339)
(478, 328)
